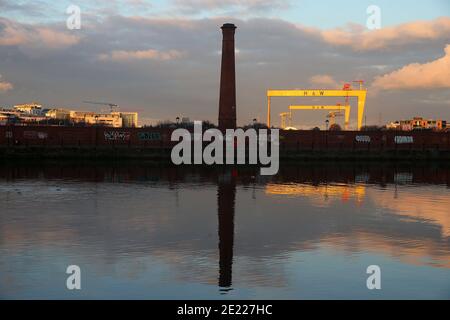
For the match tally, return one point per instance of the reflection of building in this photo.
(226, 195)
(417, 123)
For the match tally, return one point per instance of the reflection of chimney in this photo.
(227, 100)
(226, 195)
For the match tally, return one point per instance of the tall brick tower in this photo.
(227, 100)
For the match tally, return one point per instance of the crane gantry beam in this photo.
(315, 93)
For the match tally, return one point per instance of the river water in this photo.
(155, 232)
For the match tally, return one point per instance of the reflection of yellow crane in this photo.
(283, 117)
(336, 108)
(345, 193)
(347, 92)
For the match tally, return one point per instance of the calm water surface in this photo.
(146, 232)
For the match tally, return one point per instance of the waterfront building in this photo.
(29, 108)
(129, 119)
(4, 119)
(58, 114)
(91, 118)
(418, 123)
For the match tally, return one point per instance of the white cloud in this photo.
(434, 74)
(241, 6)
(151, 54)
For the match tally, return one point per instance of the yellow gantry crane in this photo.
(338, 108)
(346, 92)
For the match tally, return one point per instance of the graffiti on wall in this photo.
(403, 139)
(117, 135)
(149, 136)
(362, 139)
(35, 135)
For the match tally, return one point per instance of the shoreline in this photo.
(162, 154)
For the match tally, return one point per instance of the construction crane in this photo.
(332, 115)
(283, 117)
(335, 108)
(346, 92)
(111, 105)
(361, 83)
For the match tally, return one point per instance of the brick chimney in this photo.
(227, 100)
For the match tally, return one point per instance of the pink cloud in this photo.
(12, 34)
(5, 86)
(151, 54)
(28, 36)
(56, 39)
(323, 80)
(434, 74)
(358, 38)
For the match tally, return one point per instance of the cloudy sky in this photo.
(162, 58)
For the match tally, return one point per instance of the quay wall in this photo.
(143, 142)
